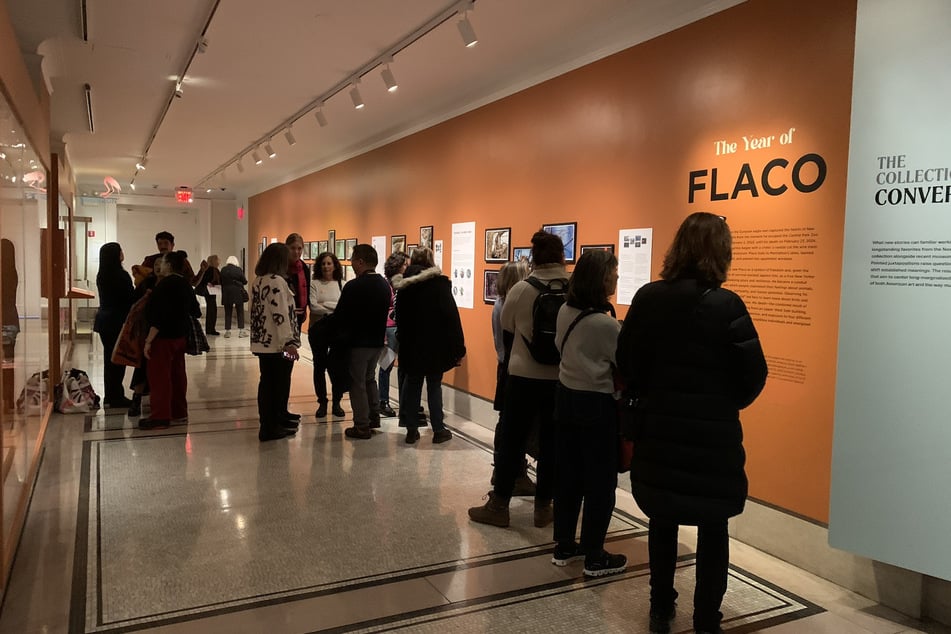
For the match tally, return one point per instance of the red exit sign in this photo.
(184, 196)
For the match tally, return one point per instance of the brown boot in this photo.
(494, 512)
(544, 513)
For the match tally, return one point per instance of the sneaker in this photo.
(357, 433)
(565, 555)
(544, 514)
(494, 512)
(605, 564)
(242, 333)
(412, 435)
(153, 423)
(441, 435)
(387, 411)
(227, 334)
(338, 411)
(321, 410)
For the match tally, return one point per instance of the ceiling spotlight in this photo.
(178, 90)
(257, 159)
(141, 164)
(240, 166)
(319, 115)
(355, 96)
(269, 150)
(202, 44)
(289, 136)
(467, 32)
(387, 75)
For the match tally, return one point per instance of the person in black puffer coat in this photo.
(431, 341)
(690, 355)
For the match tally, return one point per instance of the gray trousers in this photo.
(364, 394)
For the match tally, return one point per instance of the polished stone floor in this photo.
(201, 528)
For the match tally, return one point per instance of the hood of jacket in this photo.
(423, 276)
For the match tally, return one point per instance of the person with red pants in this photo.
(168, 314)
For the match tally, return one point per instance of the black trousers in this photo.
(113, 374)
(526, 400)
(239, 309)
(211, 312)
(586, 439)
(713, 560)
(320, 347)
(274, 389)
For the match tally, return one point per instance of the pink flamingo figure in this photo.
(112, 187)
(35, 180)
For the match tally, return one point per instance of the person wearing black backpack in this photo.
(529, 317)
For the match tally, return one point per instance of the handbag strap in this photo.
(581, 315)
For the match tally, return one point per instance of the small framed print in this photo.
(321, 247)
(348, 273)
(397, 243)
(522, 253)
(264, 243)
(567, 231)
(597, 247)
(260, 249)
(340, 247)
(426, 237)
(410, 248)
(331, 240)
(497, 243)
(351, 243)
(490, 292)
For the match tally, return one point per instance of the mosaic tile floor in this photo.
(200, 528)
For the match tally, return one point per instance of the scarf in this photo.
(296, 273)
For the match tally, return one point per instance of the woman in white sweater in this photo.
(325, 287)
(586, 434)
(275, 338)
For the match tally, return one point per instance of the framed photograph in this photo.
(567, 231)
(426, 237)
(497, 244)
(597, 247)
(397, 243)
(340, 247)
(490, 292)
(260, 250)
(518, 253)
(410, 248)
(264, 243)
(348, 273)
(351, 242)
(331, 241)
(321, 247)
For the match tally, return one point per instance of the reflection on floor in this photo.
(201, 528)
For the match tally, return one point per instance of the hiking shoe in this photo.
(604, 564)
(412, 435)
(494, 512)
(153, 423)
(387, 411)
(523, 486)
(336, 410)
(544, 514)
(441, 436)
(564, 555)
(321, 410)
(357, 433)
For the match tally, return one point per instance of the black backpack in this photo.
(544, 317)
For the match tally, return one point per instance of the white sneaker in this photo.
(242, 333)
(227, 334)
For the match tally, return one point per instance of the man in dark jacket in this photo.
(431, 341)
(359, 323)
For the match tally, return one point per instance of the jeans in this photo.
(713, 560)
(411, 395)
(525, 401)
(239, 309)
(391, 343)
(167, 380)
(112, 373)
(274, 389)
(364, 394)
(586, 438)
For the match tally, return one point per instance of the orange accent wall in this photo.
(610, 146)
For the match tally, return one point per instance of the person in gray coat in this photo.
(233, 282)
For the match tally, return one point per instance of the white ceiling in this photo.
(267, 61)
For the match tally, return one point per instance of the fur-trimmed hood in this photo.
(424, 275)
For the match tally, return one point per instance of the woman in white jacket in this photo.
(325, 286)
(275, 338)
